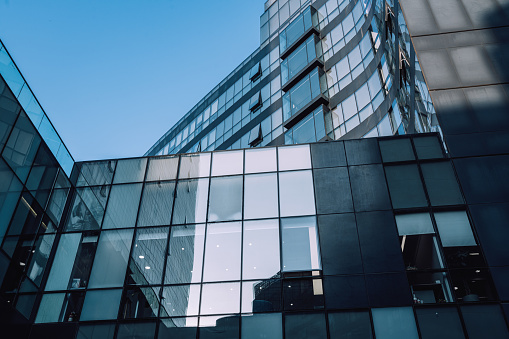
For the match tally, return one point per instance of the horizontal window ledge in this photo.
(299, 41)
(304, 111)
(303, 72)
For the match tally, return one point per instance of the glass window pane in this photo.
(181, 300)
(226, 163)
(415, 223)
(262, 326)
(394, 322)
(110, 261)
(130, 170)
(185, 255)
(443, 189)
(194, 166)
(122, 206)
(261, 160)
(101, 305)
(405, 186)
(296, 193)
(350, 325)
(136, 330)
(301, 251)
(219, 327)
(101, 331)
(396, 150)
(88, 208)
(454, 229)
(162, 168)
(140, 302)
(294, 157)
(260, 196)
(49, 309)
(225, 202)
(305, 326)
(182, 328)
(481, 320)
(428, 148)
(156, 204)
(191, 201)
(439, 323)
(222, 252)
(261, 296)
(220, 298)
(261, 249)
(147, 258)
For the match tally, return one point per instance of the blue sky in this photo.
(114, 75)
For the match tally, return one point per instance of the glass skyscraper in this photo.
(368, 213)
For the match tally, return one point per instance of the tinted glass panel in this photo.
(454, 229)
(333, 193)
(405, 186)
(439, 323)
(156, 204)
(443, 189)
(191, 201)
(262, 326)
(162, 168)
(368, 188)
(483, 320)
(130, 170)
(184, 328)
(220, 298)
(101, 305)
(396, 150)
(181, 300)
(394, 322)
(350, 325)
(305, 326)
(136, 331)
(147, 257)
(122, 206)
(428, 148)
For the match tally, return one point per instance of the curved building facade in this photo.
(325, 70)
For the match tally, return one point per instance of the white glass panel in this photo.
(261, 160)
(222, 252)
(296, 193)
(294, 157)
(225, 163)
(417, 223)
(194, 165)
(260, 196)
(220, 298)
(454, 229)
(261, 249)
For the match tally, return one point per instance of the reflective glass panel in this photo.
(305, 326)
(262, 326)
(301, 251)
(220, 298)
(87, 208)
(261, 296)
(130, 170)
(394, 322)
(261, 160)
(294, 157)
(222, 252)
(162, 168)
(147, 258)
(454, 229)
(182, 328)
(296, 194)
(226, 163)
(225, 201)
(122, 206)
(415, 223)
(180, 300)
(156, 204)
(191, 201)
(261, 249)
(101, 305)
(260, 196)
(350, 325)
(185, 255)
(194, 165)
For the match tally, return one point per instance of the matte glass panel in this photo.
(369, 190)
(405, 186)
(226, 163)
(261, 296)
(191, 201)
(483, 320)
(262, 326)
(333, 193)
(396, 150)
(162, 168)
(225, 201)
(194, 165)
(439, 323)
(219, 327)
(415, 223)
(261, 160)
(296, 193)
(101, 305)
(182, 328)
(156, 204)
(343, 292)
(180, 300)
(220, 298)
(301, 250)
(261, 249)
(294, 157)
(305, 326)
(101, 331)
(130, 170)
(185, 255)
(260, 196)
(328, 154)
(428, 148)
(122, 206)
(147, 257)
(394, 322)
(136, 330)
(222, 252)
(443, 189)
(350, 325)
(111, 259)
(454, 229)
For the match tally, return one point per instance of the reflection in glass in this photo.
(260, 196)
(130, 170)
(220, 298)
(191, 201)
(73, 261)
(219, 327)
(454, 229)
(96, 173)
(261, 160)
(185, 255)
(261, 249)
(162, 168)
(430, 287)
(140, 302)
(110, 261)
(225, 201)
(156, 204)
(261, 296)
(136, 330)
(147, 258)
(222, 252)
(266, 326)
(88, 208)
(301, 251)
(40, 256)
(122, 206)
(226, 163)
(194, 165)
(181, 300)
(101, 305)
(303, 294)
(182, 328)
(59, 197)
(296, 194)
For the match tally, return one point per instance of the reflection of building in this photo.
(388, 237)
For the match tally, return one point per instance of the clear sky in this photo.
(115, 75)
